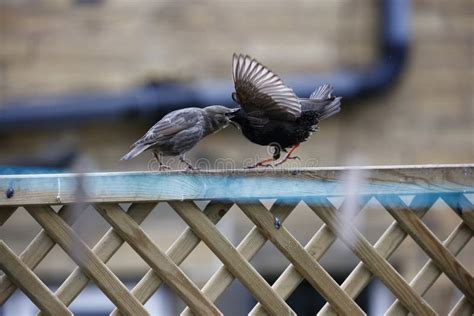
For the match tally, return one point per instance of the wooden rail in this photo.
(231, 184)
(243, 188)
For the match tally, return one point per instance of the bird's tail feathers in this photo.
(322, 93)
(322, 102)
(331, 109)
(325, 108)
(134, 152)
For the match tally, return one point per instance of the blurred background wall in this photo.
(53, 48)
(62, 47)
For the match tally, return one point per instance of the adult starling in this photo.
(271, 114)
(179, 131)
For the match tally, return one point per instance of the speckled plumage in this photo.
(271, 113)
(179, 131)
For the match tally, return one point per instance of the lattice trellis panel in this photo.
(164, 265)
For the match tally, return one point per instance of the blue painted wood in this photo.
(10, 170)
(233, 184)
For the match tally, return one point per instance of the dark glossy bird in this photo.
(179, 131)
(270, 112)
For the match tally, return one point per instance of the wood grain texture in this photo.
(428, 275)
(234, 261)
(352, 238)
(130, 231)
(317, 246)
(462, 308)
(462, 206)
(5, 213)
(441, 256)
(441, 181)
(177, 252)
(29, 283)
(96, 270)
(307, 266)
(104, 250)
(38, 248)
(248, 247)
(234, 184)
(360, 277)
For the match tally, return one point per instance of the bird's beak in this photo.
(231, 113)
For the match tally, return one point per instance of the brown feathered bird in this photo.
(179, 131)
(270, 112)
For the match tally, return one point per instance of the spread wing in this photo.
(170, 125)
(261, 93)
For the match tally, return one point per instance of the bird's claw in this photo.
(287, 158)
(266, 165)
(164, 168)
(263, 163)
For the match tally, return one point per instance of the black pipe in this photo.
(159, 99)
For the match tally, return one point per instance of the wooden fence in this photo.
(37, 194)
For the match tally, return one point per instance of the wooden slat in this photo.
(352, 238)
(428, 275)
(468, 218)
(309, 268)
(248, 247)
(385, 246)
(5, 213)
(235, 184)
(104, 250)
(38, 248)
(29, 283)
(177, 252)
(234, 261)
(317, 246)
(462, 308)
(462, 206)
(441, 256)
(96, 270)
(130, 231)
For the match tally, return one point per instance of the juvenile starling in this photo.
(271, 114)
(179, 131)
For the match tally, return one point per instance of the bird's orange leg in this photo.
(262, 163)
(288, 155)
